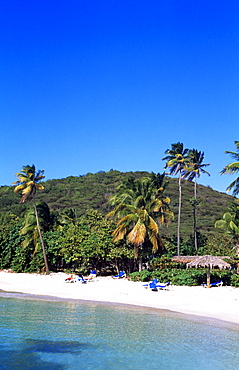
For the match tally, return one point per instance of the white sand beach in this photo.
(218, 303)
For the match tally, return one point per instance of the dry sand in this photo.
(219, 303)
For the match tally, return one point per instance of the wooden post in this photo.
(208, 277)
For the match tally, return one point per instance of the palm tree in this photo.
(193, 170)
(230, 224)
(233, 168)
(141, 208)
(30, 230)
(176, 159)
(28, 184)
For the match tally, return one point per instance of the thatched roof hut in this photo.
(183, 259)
(209, 262)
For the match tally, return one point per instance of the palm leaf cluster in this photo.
(28, 182)
(176, 158)
(194, 165)
(233, 168)
(142, 208)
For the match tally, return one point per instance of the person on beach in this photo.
(70, 279)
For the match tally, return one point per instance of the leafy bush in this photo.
(164, 262)
(175, 276)
(144, 275)
(189, 277)
(235, 280)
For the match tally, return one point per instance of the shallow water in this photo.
(60, 334)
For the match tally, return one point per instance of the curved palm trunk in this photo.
(195, 215)
(179, 213)
(42, 243)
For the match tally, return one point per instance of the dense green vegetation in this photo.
(142, 207)
(190, 277)
(93, 191)
(78, 235)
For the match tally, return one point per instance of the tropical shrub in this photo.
(143, 275)
(235, 280)
(188, 277)
(218, 245)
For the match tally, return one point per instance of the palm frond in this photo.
(137, 234)
(231, 168)
(19, 188)
(139, 207)
(234, 185)
(119, 233)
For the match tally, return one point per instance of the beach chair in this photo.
(163, 286)
(153, 286)
(154, 281)
(93, 274)
(216, 284)
(120, 275)
(80, 279)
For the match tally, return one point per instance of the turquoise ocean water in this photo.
(60, 334)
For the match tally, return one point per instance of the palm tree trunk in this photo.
(42, 243)
(140, 263)
(179, 213)
(195, 215)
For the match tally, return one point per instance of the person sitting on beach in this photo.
(70, 279)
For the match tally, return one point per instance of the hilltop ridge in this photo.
(93, 190)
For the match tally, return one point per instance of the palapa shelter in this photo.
(183, 259)
(208, 262)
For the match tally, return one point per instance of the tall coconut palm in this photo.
(176, 159)
(141, 209)
(233, 168)
(28, 184)
(193, 170)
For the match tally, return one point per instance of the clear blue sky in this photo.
(90, 86)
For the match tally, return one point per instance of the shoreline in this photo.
(219, 303)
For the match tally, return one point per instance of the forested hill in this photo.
(93, 190)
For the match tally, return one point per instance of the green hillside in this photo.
(93, 190)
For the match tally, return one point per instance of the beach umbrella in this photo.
(209, 262)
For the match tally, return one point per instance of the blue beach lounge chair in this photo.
(153, 286)
(80, 279)
(91, 276)
(154, 281)
(121, 275)
(163, 286)
(217, 284)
